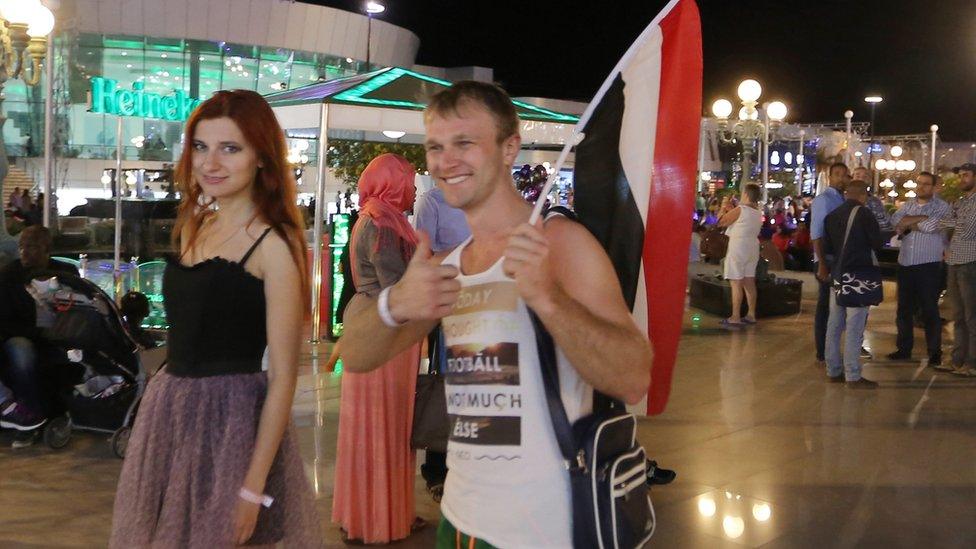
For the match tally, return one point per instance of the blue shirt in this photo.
(444, 224)
(925, 244)
(826, 202)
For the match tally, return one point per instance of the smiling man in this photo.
(508, 485)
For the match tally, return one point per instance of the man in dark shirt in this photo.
(21, 403)
(863, 241)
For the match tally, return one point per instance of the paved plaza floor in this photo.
(768, 454)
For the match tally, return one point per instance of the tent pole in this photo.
(117, 267)
(320, 208)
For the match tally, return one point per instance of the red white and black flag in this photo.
(635, 176)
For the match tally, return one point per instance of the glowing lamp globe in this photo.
(910, 165)
(40, 23)
(749, 90)
(745, 113)
(776, 111)
(934, 128)
(910, 184)
(722, 108)
(911, 194)
(900, 165)
(890, 165)
(879, 164)
(896, 151)
(893, 194)
(19, 11)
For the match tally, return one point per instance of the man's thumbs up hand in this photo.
(427, 290)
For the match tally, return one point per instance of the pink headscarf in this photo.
(386, 191)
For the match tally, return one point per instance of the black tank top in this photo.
(216, 313)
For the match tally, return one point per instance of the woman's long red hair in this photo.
(274, 193)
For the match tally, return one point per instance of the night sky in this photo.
(820, 57)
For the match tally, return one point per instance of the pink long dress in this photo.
(375, 466)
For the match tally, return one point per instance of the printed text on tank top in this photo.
(502, 451)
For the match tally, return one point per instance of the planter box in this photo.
(776, 297)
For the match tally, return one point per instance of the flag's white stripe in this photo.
(571, 141)
(638, 129)
(640, 318)
(631, 51)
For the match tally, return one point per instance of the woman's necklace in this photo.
(227, 239)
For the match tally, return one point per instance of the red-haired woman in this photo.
(212, 461)
(373, 499)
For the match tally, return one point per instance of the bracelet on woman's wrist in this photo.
(383, 308)
(262, 499)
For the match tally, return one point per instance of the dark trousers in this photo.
(822, 316)
(918, 289)
(37, 374)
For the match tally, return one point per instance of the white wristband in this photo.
(250, 496)
(383, 308)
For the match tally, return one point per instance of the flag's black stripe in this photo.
(602, 195)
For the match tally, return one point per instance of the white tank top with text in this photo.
(507, 482)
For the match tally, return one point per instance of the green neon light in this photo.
(561, 117)
(108, 99)
(123, 44)
(151, 284)
(340, 236)
(67, 260)
(356, 95)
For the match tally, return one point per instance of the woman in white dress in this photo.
(743, 223)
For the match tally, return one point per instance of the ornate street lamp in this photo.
(24, 26)
(749, 129)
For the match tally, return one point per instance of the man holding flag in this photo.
(507, 476)
(508, 479)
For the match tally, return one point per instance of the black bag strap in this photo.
(548, 365)
(839, 263)
(550, 379)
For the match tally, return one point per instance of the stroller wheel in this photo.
(120, 441)
(57, 432)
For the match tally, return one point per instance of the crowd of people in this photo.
(475, 281)
(839, 234)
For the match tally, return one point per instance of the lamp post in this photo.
(872, 100)
(24, 26)
(749, 128)
(372, 8)
(934, 128)
(848, 115)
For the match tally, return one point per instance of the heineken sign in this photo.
(108, 98)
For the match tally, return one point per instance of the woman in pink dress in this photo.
(375, 470)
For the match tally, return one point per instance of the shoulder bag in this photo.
(607, 468)
(859, 287)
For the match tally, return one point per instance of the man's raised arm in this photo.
(425, 294)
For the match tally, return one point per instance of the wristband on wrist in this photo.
(383, 308)
(250, 496)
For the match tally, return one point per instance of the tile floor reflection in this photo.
(768, 454)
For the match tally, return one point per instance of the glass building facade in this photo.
(132, 68)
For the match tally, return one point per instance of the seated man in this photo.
(20, 339)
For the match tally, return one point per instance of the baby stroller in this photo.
(76, 316)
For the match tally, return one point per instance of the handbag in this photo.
(430, 423)
(607, 468)
(714, 244)
(859, 287)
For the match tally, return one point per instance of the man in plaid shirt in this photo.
(961, 258)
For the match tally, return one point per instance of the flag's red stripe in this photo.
(669, 211)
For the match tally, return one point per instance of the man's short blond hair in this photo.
(489, 96)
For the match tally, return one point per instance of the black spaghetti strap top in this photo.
(216, 312)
